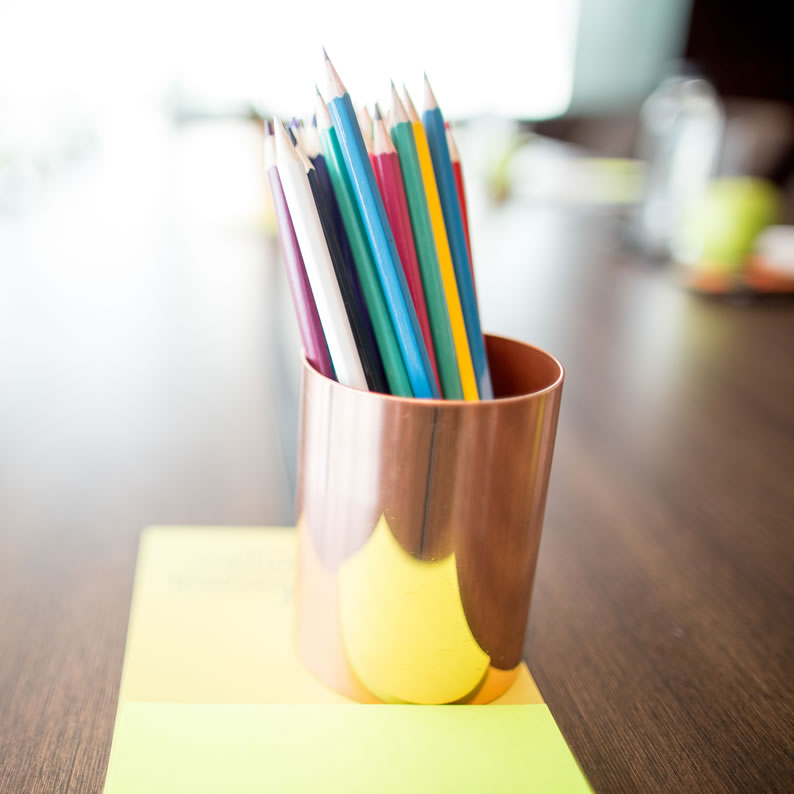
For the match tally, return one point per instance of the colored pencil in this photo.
(390, 182)
(386, 338)
(356, 312)
(312, 147)
(445, 179)
(435, 298)
(457, 169)
(468, 377)
(311, 331)
(379, 234)
(317, 259)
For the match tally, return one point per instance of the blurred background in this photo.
(143, 307)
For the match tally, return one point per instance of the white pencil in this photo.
(317, 259)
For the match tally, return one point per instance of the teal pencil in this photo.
(445, 178)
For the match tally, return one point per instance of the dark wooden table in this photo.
(148, 369)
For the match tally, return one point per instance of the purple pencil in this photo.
(311, 330)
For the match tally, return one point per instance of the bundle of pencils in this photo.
(373, 222)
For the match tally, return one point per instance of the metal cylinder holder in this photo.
(419, 523)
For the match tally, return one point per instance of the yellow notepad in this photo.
(214, 699)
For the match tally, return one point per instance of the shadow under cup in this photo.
(419, 523)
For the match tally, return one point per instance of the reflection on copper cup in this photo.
(419, 526)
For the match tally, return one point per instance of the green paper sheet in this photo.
(342, 749)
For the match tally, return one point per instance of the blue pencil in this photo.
(373, 213)
(445, 178)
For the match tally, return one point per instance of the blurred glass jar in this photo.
(681, 127)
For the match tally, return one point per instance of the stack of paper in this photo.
(213, 698)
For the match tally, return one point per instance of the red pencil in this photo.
(457, 170)
(386, 164)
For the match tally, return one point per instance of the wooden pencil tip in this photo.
(430, 99)
(410, 108)
(336, 88)
(398, 113)
(281, 135)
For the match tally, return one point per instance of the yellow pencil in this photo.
(456, 321)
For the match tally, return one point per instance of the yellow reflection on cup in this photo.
(403, 624)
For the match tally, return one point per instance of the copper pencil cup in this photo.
(419, 523)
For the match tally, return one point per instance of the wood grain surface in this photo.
(148, 362)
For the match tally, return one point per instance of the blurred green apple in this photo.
(718, 232)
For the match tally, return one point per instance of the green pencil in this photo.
(386, 338)
(403, 137)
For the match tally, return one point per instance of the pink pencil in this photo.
(386, 163)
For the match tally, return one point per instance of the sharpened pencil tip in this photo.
(378, 115)
(409, 106)
(336, 88)
(430, 98)
(281, 135)
(325, 55)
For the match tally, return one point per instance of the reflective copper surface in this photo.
(389, 612)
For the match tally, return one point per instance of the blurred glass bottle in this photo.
(681, 125)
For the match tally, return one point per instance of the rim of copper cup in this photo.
(435, 401)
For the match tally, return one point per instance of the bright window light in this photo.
(501, 57)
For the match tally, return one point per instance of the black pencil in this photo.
(365, 342)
